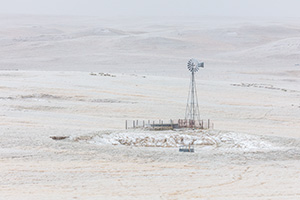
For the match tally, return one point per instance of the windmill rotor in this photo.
(194, 65)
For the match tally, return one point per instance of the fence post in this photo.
(208, 124)
(126, 124)
(133, 124)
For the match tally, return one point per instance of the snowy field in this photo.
(82, 77)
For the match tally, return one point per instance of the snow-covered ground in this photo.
(83, 77)
(141, 138)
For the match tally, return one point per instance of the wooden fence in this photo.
(168, 124)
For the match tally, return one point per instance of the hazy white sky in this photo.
(108, 8)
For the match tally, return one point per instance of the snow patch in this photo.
(228, 140)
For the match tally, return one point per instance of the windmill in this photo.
(192, 114)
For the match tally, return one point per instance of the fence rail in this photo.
(168, 124)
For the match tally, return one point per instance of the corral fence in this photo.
(168, 124)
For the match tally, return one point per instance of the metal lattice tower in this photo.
(192, 113)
